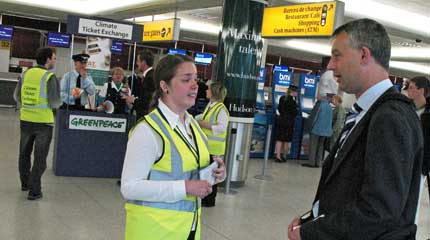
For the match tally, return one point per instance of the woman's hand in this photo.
(204, 124)
(219, 173)
(198, 188)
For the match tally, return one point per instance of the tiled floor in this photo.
(92, 208)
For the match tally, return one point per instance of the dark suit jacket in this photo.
(370, 190)
(144, 94)
(425, 122)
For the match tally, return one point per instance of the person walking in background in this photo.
(166, 149)
(418, 91)
(320, 120)
(285, 117)
(115, 90)
(214, 123)
(36, 94)
(77, 85)
(142, 87)
(370, 181)
(339, 114)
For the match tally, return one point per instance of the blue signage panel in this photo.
(280, 68)
(6, 33)
(308, 85)
(58, 40)
(203, 58)
(177, 51)
(117, 47)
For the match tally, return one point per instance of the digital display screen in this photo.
(203, 58)
(58, 40)
(177, 51)
(6, 33)
(117, 47)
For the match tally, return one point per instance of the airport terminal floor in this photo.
(93, 209)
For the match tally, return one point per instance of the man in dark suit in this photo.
(142, 87)
(369, 183)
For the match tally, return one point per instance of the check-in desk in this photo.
(90, 144)
(8, 83)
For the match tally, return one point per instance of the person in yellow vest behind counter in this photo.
(214, 122)
(166, 149)
(36, 94)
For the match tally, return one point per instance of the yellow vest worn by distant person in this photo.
(179, 161)
(34, 96)
(216, 141)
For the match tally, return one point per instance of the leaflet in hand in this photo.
(206, 173)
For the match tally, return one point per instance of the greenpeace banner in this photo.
(91, 123)
(239, 56)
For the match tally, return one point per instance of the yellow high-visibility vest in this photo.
(179, 161)
(216, 141)
(34, 96)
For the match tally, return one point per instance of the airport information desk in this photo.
(90, 144)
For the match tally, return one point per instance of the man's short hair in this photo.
(146, 56)
(43, 54)
(422, 82)
(371, 34)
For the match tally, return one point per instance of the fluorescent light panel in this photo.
(87, 7)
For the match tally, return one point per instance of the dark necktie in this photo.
(78, 85)
(349, 123)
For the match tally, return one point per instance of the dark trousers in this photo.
(316, 149)
(209, 200)
(37, 135)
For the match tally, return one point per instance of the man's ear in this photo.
(366, 55)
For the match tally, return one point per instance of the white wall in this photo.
(4, 60)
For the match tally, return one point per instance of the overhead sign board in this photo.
(303, 20)
(104, 28)
(162, 30)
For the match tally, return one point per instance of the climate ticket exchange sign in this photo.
(303, 20)
(104, 28)
(163, 30)
(92, 123)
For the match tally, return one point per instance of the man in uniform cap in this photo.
(77, 85)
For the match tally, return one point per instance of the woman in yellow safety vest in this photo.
(165, 151)
(214, 122)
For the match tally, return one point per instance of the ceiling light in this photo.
(88, 7)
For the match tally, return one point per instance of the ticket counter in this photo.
(90, 144)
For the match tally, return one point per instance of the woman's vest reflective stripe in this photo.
(34, 96)
(216, 141)
(179, 161)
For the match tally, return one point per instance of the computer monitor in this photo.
(116, 47)
(58, 40)
(6, 33)
(203, 58)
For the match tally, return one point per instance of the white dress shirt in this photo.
(222, 120)
(143, 148)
